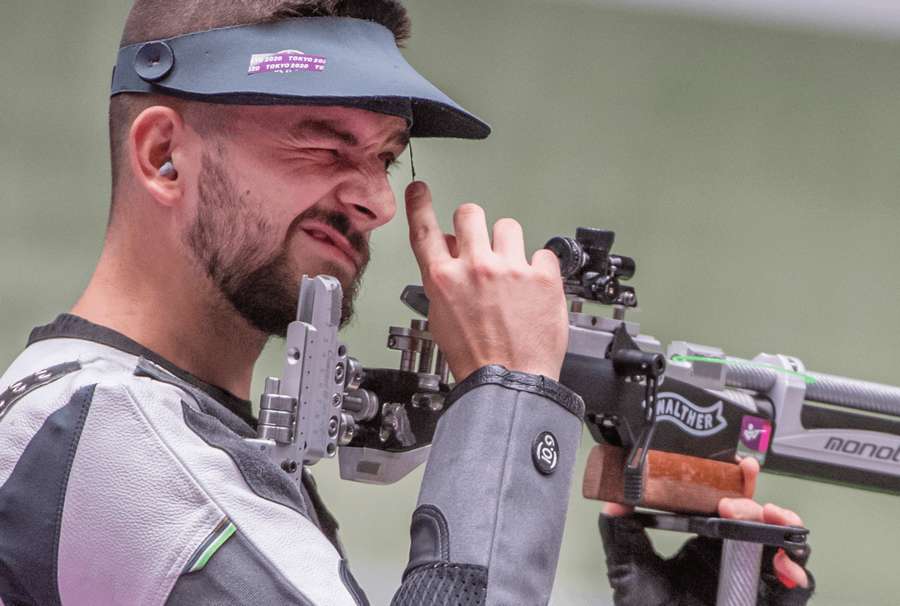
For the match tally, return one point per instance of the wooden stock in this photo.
(672, 482)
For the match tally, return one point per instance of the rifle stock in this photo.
(672, 482)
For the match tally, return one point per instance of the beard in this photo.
(229, 238)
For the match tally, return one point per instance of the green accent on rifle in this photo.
(806, 378)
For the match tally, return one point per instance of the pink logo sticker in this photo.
(755, 434)
(286, 62)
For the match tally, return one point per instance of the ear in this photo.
(158, 136)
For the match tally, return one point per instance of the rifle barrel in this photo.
(824, 388)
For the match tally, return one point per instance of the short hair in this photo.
(158, 19)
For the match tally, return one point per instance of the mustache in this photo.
(340, 223)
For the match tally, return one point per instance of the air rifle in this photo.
(706, 405)
(669, 423)
(670, 427)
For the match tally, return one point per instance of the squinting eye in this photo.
(390, 163)
(324, 153)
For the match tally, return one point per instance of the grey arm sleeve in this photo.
(492, 506)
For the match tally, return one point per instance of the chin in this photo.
(327, 267)
(319, 258)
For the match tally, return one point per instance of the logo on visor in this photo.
(286, 62)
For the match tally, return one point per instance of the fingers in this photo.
(746, 508)
(430, 244)
(773, 514)
(509, 241)
(790, 573)
(750, 470)
(546, 261)
(425, 235)
(452, 246)
(741, 509)
(617, 510)
(471, 230)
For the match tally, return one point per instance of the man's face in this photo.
(290, 191)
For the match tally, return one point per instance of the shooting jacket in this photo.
(125, 480)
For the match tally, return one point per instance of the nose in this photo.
(367, 198)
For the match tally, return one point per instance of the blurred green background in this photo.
(752, 171)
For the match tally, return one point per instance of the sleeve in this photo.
(164, 504)
(489, 522)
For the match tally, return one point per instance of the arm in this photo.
(163, 503)
(491, 510)
(490, 514)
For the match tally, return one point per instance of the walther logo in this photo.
(695, 420)
(864, 449)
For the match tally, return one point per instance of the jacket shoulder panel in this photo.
(31, 505)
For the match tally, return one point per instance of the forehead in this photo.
(365, 127)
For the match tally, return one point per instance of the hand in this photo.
(639, 576)
(790, 573)
(488, 304)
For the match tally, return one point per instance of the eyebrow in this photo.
(401, 137)
(328, 130)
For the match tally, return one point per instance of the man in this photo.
(249, 148)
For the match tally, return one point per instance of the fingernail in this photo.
(415, 189)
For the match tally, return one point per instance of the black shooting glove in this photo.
(640, 577)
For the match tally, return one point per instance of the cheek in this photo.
(292, 189)
(277, 174)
